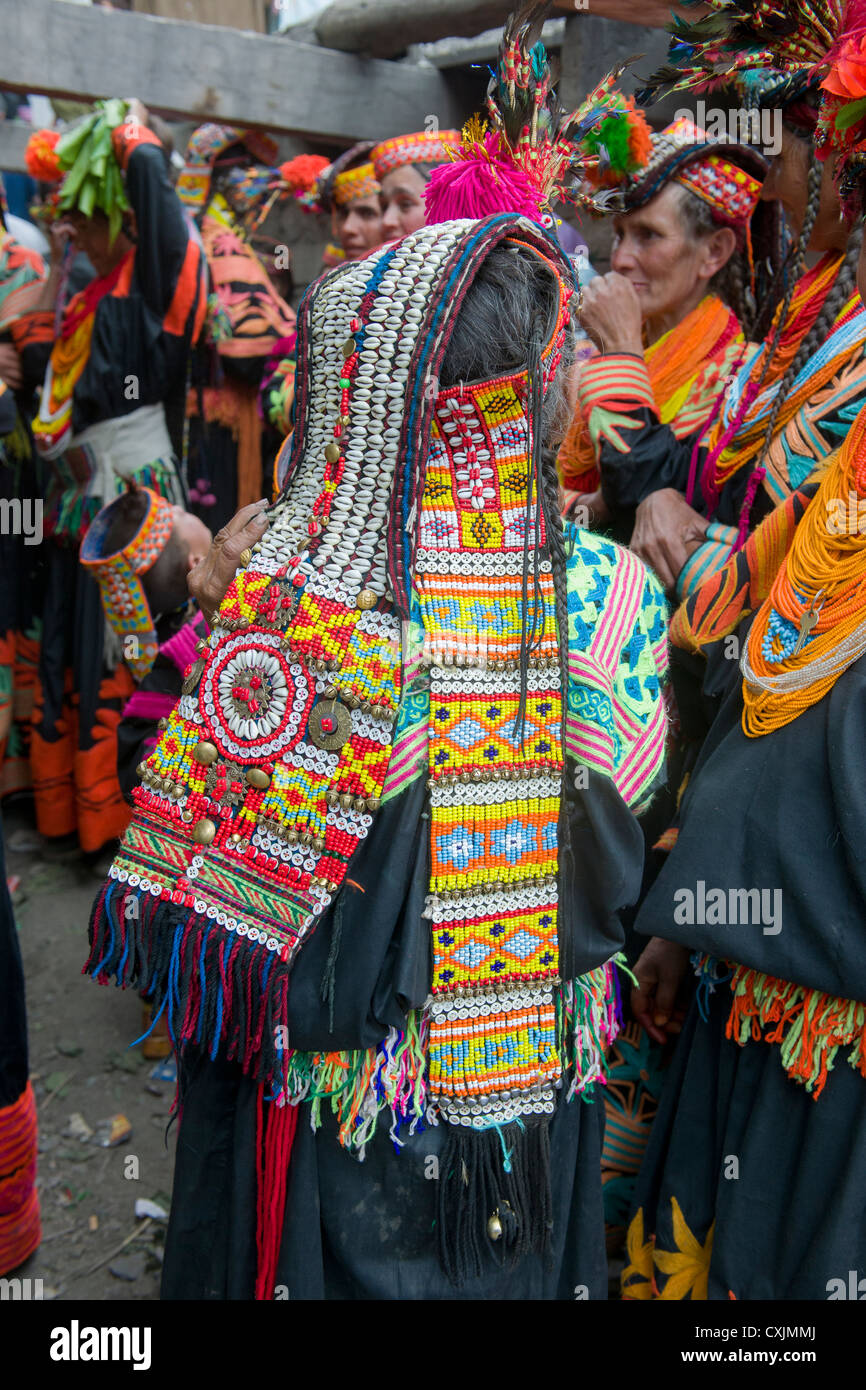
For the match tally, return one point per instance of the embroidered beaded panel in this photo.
(494, 780)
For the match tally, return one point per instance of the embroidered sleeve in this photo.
(617, 640)
(168, 263)
(720, 596)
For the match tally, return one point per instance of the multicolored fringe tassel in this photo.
(809, 1027)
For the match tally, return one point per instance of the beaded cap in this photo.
(119, 576)
(726, 175)
(421, 147)
(352, 185)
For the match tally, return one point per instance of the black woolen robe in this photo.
(366, 1230)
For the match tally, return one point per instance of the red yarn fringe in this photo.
(274, 1139)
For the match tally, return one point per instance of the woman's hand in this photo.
(666, 532)
(10, 367)
(212, 576)
(587, 509)
(611, 314)
(59, 234)
(659, 972)
(137, 111)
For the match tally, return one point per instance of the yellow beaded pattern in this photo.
(495, 782)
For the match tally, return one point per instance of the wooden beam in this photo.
(650, 14)
(206, 72)
(387, 27)
(452, 53)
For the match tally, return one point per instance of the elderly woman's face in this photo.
(653, 250)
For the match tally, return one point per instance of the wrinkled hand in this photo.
(611, 314)
(59, 234)
(666, 532)
(212, 576)
(10, 367)
(659, 972)
(587, 509)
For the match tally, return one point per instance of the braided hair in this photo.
(838, 296)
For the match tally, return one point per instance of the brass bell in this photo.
(360, 803)
(332, 452)
(346, 801)
(163, 724)
(292, 836)
(494, 1227)
(366, 599)
(258, 778)
(205, 753)
(204, 831)
(245, 556)
(306, 838)
(142, 769)
(201, 645)
(349, 347)
(332, 798)
(319, 844)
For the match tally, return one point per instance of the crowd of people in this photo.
(467, 663)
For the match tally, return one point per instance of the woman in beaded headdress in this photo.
(752, 1183)
(794, 398)
(677, 296)
(266, 817)
(379, 853)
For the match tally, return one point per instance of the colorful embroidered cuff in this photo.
(37, 327)
(128, 136)
(707, 560)
(618, 381)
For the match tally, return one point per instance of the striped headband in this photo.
(422, 147)
(352, 185)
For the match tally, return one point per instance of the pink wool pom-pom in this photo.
(478, 188)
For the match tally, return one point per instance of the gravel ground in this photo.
(86, 1079)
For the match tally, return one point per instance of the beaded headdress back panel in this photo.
(409, 511)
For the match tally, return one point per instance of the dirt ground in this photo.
(84, 1076)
